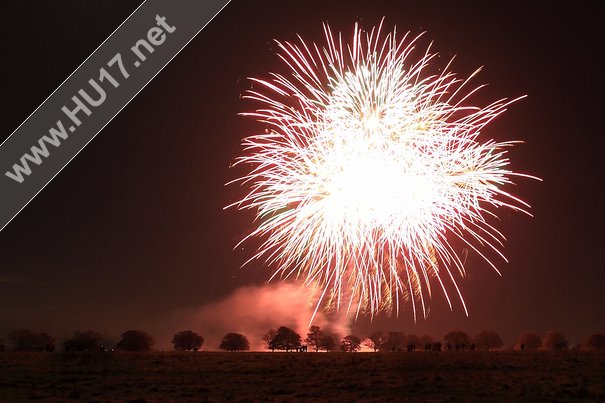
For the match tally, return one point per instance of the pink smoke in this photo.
(253, 310)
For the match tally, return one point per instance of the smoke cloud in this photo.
(253, 310)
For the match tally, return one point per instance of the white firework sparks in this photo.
(369, 166)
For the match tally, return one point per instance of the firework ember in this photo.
(370, 169)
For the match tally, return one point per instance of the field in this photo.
(215, 376)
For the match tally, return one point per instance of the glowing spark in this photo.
(370, 165)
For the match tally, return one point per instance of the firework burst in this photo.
(370, 167)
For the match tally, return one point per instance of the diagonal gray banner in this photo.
(93, 94)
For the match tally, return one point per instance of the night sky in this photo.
(132, 233)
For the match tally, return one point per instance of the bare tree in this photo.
(234, 342)
(554, 340)
(595, 342)
(84, 341)
(488, 340)
(268, 339)
(529, 340)
(350, 344)
(187, 340)
(314, 337)
(135, 340)
(375, 341)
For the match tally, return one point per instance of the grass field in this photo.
(215, 376)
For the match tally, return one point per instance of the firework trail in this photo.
(369, 165)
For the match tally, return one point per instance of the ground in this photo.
(252, 376)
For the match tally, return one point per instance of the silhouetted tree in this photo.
(314, 337)
(135, 340)
(426, 339)
(375, 341)
(45, 342)
(286, 339)
(427, 342)
(187, 340)
(413, 342)
(84, 341)
(488, 340)
(457, 338)
(350, 344)
(328, 343)
(595, 342)
(529, 340)
(22, 339)
(395, 341)
(268, 339)
(554, 340)
(26, 340)
(234, 342)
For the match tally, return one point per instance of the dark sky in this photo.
(133, 229)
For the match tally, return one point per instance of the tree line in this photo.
(286, 339)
